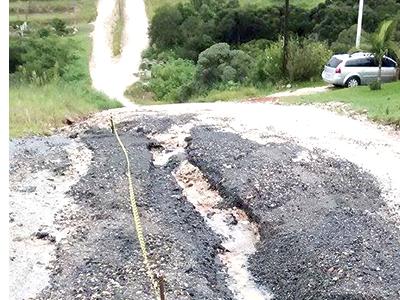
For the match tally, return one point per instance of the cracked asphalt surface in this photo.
(320, 235)
(322, 219)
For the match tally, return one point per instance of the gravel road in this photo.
(318, 192)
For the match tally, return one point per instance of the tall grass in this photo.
(36, 109)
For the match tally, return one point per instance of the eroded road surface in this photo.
(238, 201)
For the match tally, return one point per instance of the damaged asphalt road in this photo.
(321, 237)
(323, 232)
(105, 259)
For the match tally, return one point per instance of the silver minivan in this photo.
(359, 68)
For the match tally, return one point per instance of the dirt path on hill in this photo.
(112, 75)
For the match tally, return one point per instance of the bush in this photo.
(41, 59)
(271, 64)
(172, 80)
(306, 59)
(375, 85)
(220, 65)
(60, 27)
(139, 91)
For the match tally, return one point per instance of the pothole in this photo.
(173, 143)
(239, 235)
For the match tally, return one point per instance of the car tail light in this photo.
(338, 70)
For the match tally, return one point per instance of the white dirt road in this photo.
(112, 75)
(301, 92)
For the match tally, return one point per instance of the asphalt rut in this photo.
(239, 235)
(101, 258)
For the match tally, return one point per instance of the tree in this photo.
(164, 28)
(381, 42)
(220, 64)
(285, 37)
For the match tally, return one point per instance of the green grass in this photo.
(241, 93)
(152, 5)
(35, 110)
(382, 106)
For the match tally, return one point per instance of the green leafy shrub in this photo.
(375, 85)
(41, 59)
(271, 63)
(139, 91)
(306, 59)
(173, 80)
(60, 27)
(219, 65)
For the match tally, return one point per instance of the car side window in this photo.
(372, 62)
(361, 62)
(388, 63)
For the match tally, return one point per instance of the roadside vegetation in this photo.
(49, 65)
(199, 49)
(382, 106)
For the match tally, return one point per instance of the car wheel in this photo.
(352, 82)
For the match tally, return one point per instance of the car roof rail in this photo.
(360, 53)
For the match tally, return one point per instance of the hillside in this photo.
(152, 5)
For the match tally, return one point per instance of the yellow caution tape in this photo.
(136, 216)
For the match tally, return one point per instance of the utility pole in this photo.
(359, 24)
(285, 37)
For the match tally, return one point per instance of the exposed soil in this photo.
(234, 200)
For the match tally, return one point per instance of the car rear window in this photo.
(334, 62)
